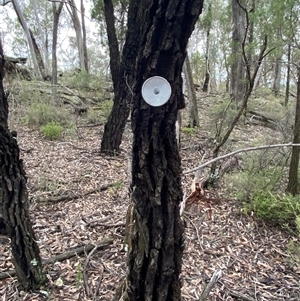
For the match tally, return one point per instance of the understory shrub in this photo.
(52, 130)
(283, 210)
(41, 114)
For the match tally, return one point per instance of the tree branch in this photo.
(68, 254)
(248, 149)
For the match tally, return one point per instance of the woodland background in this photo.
(242, 90)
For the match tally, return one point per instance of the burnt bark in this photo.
(114, 128)
(155, 238)
(14, 207)
(113, 43)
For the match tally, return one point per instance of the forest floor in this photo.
(253, 257)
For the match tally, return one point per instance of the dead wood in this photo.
(243, 150)
(214, 279)
(67, 255)
(73, 196)
(256, 118)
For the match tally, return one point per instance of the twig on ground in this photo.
(85, 278)
(69, 254)
(213, 280)
(73, 196)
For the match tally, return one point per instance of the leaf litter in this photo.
(253, 257)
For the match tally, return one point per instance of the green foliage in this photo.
(282, 210)
(52, 130)
(83, 81)
(105, 108)
(261, 172)
(294, 252)
(41, 114)
(79, 274)
(189, 131)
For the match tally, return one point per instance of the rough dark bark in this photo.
(114, 128)
(3, 101)
(292, 186)
(113, 44)
(155, 228)
(14, 207)
(206, 84)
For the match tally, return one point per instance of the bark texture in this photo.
(237, 67)
(155, 238)
(192, 106)
(13, 193)
(114, 128)
(294, 164)
(14, 208)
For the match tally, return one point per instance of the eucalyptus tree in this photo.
(34, 51)
(120, 70)
(80, 31)
(14, 205)
(154, 227)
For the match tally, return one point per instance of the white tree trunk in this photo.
(28, 36)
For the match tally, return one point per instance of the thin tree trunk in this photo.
(56, 14)
(288, 75)
(237, 67)
(85, 53)
(292, 186)
(43, 40)
(207, 52)
(277, 77)
(114, 128)
(28, 36)
(113, 43)
(192, 105)
(79, 38)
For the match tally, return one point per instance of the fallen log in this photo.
(69, 254)
(73, 196)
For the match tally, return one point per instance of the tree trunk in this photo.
(288, 76)
(114, 128)
(56, 14)
(292, 186)
(207, 51)
(277, 77)
(155, 228)
(237, 67)
(14, 207)
(113, 44)
(43, 40)
(84, 40)
(192, 106)
(79, 38)
(28, 36)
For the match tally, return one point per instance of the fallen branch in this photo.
(69, 254)
(240, 296)
(74, 196)
(213, 280)
(248, 149)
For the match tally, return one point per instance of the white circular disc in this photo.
(156, 91)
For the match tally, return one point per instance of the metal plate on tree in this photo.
(156, 91)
